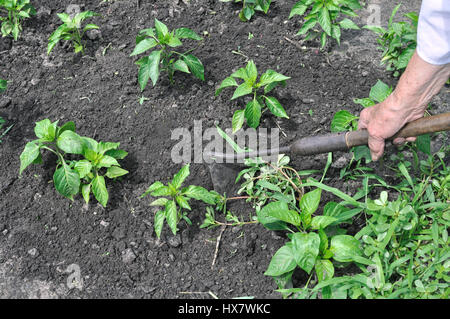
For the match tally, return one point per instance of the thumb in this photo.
(376, 145)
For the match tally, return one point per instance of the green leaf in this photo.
(182, 202)
(70, 142)
(306, 250)
(310, 201)
(243, 89)
(323, 40)
(298, 9)
(380, 91)
(195, 65)
(99, 190)
(45, 130)
(324, 269)
(159, 202)
(280, 210)
(200, 193)
(366, 102)
(336, 33)
(83, 168)
(180, 65)
(185, 33)
(227, 82)
(144, 45)
(268, 221)
(308, 25)
(3, 85)
(252, 72)
(345, 248)
(348, 24)
(172, 216)
(149, 69)
(107, 161)
(29, 155)
(179, 178)
(283, 261)
(66, 181)
(161, 29)
(68, 126)
(271, 76)
(423, 143)
(252, 113)
(115, 171)
(85, 192)
(238, 120)
(342, 121)
(323, 17)
(90, 26)
(275, 107)
(159, 222)
(322, 221)
(117, 154)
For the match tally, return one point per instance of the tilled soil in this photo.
(45, 238)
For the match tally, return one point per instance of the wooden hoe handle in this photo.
(344, 141)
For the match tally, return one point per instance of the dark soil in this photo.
(42, 233)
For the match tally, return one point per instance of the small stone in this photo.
(33, 252)
(35, 81)
(95, 246)
(307, 101)
(128, 256)
(174, 241)
(104, 224)
(210, 83)
(4, 102)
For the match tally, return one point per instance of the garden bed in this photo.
(116, 249)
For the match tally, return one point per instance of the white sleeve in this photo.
(433, 33)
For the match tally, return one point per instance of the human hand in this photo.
(382, 121)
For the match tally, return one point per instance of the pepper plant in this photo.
(165, 59)
(75, 176)
(175, 207)
(249, 7)
(398, 42)
(325, 14)
(252, 86)
(71, 30)
(17, 10)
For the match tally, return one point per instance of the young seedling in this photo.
(71, 30)
(18, 10)
(325, 14)
(164, 58)
(3, 85)
(177, 203)
(75, 176)
(250, 6)
(251, 86)
(398, 42)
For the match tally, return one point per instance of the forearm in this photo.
(417, 86)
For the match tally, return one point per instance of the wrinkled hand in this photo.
(415, 89)
(382, 121)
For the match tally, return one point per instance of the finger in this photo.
(363, 120)
(376, 145)
(399, 141)
(411, 139)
